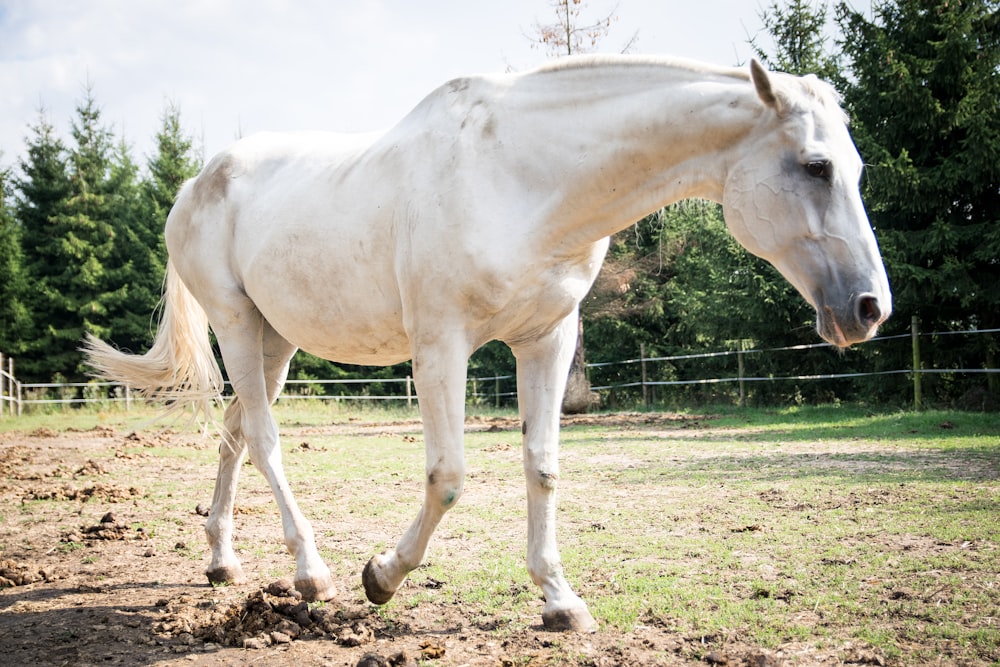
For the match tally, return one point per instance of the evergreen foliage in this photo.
(15, 317)
(923, 87)
(89, 232)
(798, 30)
(44, 190)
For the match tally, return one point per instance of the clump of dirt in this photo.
(91, 467)
(277, 615)
(306, 447)
(162, 438)
(13, 461)
(109, 528)
(100, 431)
(104, 492)
(400, 659)
(122, 453)
(269, 616)
(16, 462)
(13, 574)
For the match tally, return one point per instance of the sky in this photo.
(234, 67)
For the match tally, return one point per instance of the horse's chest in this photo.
(531, 301)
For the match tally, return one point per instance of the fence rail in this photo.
(15, 395)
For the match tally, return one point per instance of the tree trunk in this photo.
(577, 399)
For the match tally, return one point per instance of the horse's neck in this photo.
(621, 141)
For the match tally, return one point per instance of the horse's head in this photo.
(792, 198)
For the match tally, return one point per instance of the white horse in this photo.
(483, 215)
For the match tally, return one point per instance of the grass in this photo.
(765, 535)
(807, 525)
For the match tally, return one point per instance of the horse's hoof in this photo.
(232, 574)
(577, 619)
(316, 589)
(374, 590)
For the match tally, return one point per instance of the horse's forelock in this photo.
(813, 89)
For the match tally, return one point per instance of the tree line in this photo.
(81, 242)
(81, 239)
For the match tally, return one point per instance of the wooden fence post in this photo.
(2, 385)
(642, 365)
(991, 378)
(915, 340)
(740, 371)
(13, 387)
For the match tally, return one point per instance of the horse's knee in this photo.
(216, 528)
(445, 484)
(543, 479)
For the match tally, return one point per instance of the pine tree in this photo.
(43, 190)
(923, 90)
(171, 165)
(139, 213)
(797, 29)
(67, 239)
(15, 320)
(133, 274)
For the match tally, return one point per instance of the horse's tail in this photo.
(179, 370)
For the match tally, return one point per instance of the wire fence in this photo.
(633, 374)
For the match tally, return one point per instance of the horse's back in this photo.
(282, 219)
(348, 245)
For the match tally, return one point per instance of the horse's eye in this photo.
(818, 169)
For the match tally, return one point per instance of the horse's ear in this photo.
(762, 82)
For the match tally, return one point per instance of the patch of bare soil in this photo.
(83, 581)
(273, 619)
(103, 492)
(623, 420)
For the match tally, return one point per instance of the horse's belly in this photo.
(331, 309)
(365, 333)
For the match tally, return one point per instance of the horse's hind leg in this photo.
(256, 362)
(225, 567)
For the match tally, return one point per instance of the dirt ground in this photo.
(81, 585)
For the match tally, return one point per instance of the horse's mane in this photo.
(797, 89)
(570, 63)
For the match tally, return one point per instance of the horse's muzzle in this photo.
(856, 323)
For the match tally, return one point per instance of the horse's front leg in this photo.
(439, 372)
(542, 368)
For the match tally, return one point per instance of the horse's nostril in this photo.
(868, 311)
